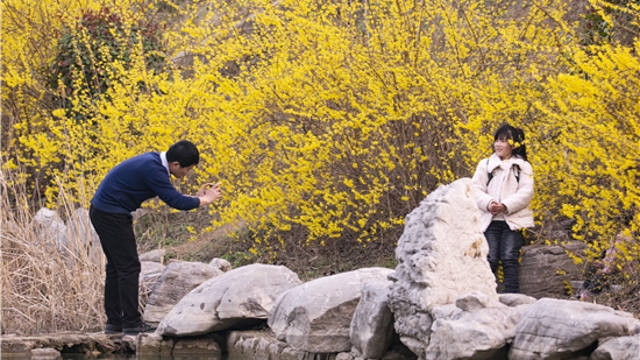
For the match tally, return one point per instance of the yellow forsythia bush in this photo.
(330, 121)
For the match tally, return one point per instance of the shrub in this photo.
(91, 51)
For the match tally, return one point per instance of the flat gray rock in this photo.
(481, 331)
(156, 255)
(516, 299)
(556, 329)
(316, 316)
(622, 348)
(176, 281)
(544, 270)
(371, 330)
(244, 294)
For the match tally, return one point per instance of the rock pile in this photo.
(439, 303)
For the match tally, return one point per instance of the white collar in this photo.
(495, 161)
(165, 163)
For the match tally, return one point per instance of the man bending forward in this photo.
(121, 192)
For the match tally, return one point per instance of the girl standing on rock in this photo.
(504, 187)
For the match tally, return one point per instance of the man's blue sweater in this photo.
(135, 180)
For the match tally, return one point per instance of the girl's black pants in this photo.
(504, 246)
(123, 267)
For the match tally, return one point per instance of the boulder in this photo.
(176, 281)
(189, 348)
(481, 331)
(22, 347)
(153, 346)
(371, 329)
(261, 345)
(514, 300)
(316, 317)
(558, 329)
(545, 270)
(442, 255)
(221, 264)
(45, 354)
(622, 348)
(237, 297)
(83, 240)
(150, 271)
(156, 255)
(50, 230)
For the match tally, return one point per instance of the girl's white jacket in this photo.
(505, 188)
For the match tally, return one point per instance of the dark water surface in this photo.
(133, 357)
(115, 357)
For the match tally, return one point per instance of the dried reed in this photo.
(46, 285)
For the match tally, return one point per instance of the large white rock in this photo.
(555, 329)
(316, 316)
(372, 323)
(50, 230)
(176, 281)
(442, 255)
(622, 348)
(243, 294)
(480, 331)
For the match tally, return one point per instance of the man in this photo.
(121, 192)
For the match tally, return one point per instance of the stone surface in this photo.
(441, 256)
(45, 354)
(153, 345)
(263, 345)
(62, 342)
(150, 272)
(516, 299)
(545, 270)
(480, 331)
(51, 230)
(316, 316)
(221, 264)
(156, 255)
(176, 281)
(242, 295)
(83, 240)
(622, 348)
(372, 323)
(557, 329)
(189, 348)
(245, 345)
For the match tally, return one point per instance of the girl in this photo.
(504, 186)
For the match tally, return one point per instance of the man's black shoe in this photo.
(144, 328)
(112, 329)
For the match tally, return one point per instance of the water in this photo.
(119, 357)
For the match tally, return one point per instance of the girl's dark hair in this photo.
(184, 152)
(508, 132)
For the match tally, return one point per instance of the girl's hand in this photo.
(496, 208)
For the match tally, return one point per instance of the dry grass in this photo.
(46, 287)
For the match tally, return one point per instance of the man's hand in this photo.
(209, 193)
(204, 189)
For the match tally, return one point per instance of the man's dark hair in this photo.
(184, 152)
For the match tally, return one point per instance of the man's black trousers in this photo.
(123, 267)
